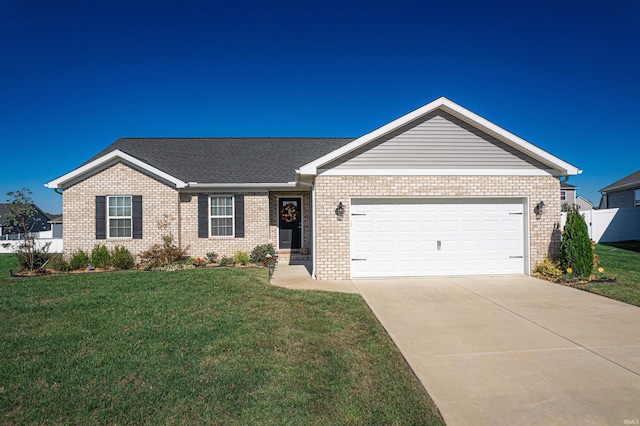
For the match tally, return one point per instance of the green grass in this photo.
(621, 260)
(205, 346)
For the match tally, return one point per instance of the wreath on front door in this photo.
(289, 213)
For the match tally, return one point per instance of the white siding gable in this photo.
(437, 141)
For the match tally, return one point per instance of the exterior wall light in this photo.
(539, 208)
(340, 211)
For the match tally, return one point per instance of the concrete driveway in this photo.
(514, 350)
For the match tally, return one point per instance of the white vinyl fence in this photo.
(611, 225)
(9, 245)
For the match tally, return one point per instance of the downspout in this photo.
(313, 226)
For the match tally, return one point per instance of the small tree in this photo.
(23, 217)
(575, 247)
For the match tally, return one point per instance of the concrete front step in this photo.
(293, 256)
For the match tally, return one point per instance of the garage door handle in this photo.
(358, 259)
(439, 244)
(358, 214)
(516, 257)
(516, 213)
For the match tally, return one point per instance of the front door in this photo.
(290, 223)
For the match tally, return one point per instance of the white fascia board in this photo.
(437, 172)
(241, 186)
(449, 106)
(113, 155)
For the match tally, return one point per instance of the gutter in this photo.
(243, 187)
(197, 185)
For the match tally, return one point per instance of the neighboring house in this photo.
(40, 223)
(56, 226)
(583, 203)
(568, 196)
(438, 191)
(622, 193)
(567, 193)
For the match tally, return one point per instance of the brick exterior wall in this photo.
(256, 227)
(333, 235)
(159, 202)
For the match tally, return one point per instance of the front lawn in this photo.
(621, 260)
(203, 346)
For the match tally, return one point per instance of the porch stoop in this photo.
(293, 257)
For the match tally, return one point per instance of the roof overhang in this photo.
(260, 187)
(117, 156)
(107, 160)
(557, 167)
(623, 187)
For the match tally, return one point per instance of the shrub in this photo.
(241, 257)
(225, 260)
(121, 258)
(549, 268)
(30, 256)
(100, 257)
(57, 262)
(260, 253)
(212, 257)
(79, 260)
(162, 255)
(575, 248)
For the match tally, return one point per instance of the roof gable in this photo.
(536, 156)
(100, 163)
(436, 140)
(627, 182)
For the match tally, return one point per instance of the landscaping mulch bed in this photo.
(44, 272)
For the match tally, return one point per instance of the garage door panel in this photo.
(400, 237)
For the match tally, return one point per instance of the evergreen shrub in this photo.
(260, 253)
(576, 253)
(121, 258)
(79, 260)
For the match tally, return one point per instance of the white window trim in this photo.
(232, 216)
(109, 217)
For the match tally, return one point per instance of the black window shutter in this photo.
(136, 213)
(101, 217)
(203, 216)
(238, 200)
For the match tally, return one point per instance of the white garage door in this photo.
(392, 237)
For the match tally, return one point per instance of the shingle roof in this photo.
(39, 226)
(3, 212)
(631, 181)
(564, 185)
(227, 160)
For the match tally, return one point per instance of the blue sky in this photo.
(75, 75)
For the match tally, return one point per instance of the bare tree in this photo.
(23, 218)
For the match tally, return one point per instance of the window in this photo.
(563, 195)
(222, 216)
(119, 216)
(636, 198)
